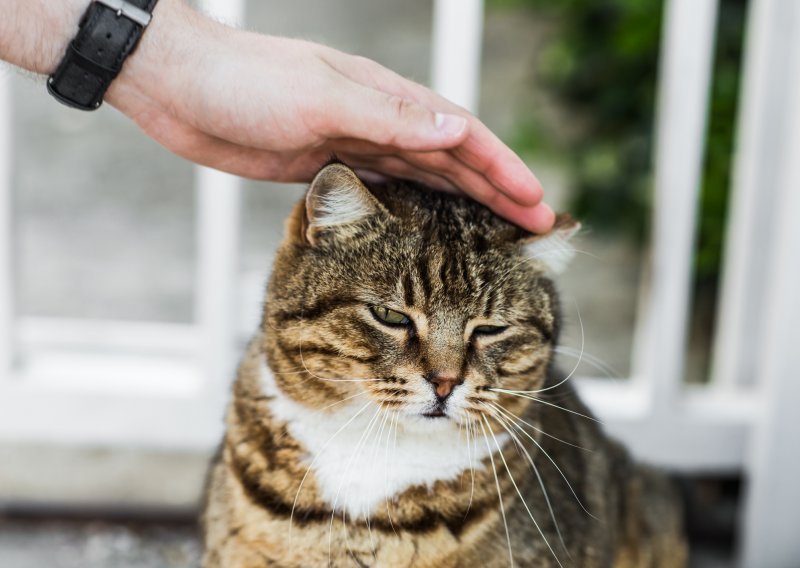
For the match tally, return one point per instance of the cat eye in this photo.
(489, 329)
(389, 317)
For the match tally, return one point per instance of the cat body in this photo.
(399, 406)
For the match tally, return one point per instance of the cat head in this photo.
(425, 303)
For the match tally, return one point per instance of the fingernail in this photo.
(450, 125)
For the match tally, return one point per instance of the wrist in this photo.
(157, 70)
(34, 34)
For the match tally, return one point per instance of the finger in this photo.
(424, 167)
(482, 151)
(537, 218)
(444, 165)
(384, 168)
(390, 120)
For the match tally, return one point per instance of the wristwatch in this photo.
(108, 33)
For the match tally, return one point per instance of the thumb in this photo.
(392, 120)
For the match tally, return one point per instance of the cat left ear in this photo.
(337, 201)
(553, 249)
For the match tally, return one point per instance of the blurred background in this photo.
(132, 279)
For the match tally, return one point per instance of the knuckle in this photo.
(400, 105)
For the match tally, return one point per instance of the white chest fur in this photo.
(362, 457)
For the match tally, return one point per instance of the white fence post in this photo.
(772, 512)
(218, 210)
(7, 337)
(684, 78)
(457, 42)
(218, 205)
(771, 39)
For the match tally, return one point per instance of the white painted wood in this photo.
(219, 203)
(457, 41)
(106, 336)
(772, 514)
(685, 443)
(771, 40)
(684, 78)
(219, 197)
(109, 374)
(43, 414)
(706, 432)
(230, 12)
(6, 273)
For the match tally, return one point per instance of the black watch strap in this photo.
(109, 32)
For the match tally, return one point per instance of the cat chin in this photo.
(420, 424)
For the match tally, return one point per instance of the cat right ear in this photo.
(553, 249)
(336, 202)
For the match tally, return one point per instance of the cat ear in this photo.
(553, 249)
(337, 200)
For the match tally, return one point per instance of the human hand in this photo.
(276, 109)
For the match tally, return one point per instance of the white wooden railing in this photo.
(170, 381)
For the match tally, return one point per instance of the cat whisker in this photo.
(374, 462)
(331, 405)
(520, 446)
(514, 483)
(461, 436)
(511, 416)
(592, 360)
(349, 380)
(558, 469)
(499, 496)
(396, 429)
(577, 364)
(295, 372)
(523, 394)
(357, 451)
(558, 397)
(362, 439)
(500, 278)
(308, 469)
(307, 371)
(346, 536)
(303, 363)
(392, 430)
(390, 404)
(470, 440)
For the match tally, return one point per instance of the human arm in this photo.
(274, 108)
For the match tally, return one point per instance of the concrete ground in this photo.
(35, 543)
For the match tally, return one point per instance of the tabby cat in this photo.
(399, 405)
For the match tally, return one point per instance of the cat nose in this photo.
(443, 383)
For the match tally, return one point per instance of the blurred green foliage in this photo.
(720, 147)
(600, 66)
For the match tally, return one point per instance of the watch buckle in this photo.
(128, 10)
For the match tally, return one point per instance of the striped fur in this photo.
(337, 450)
